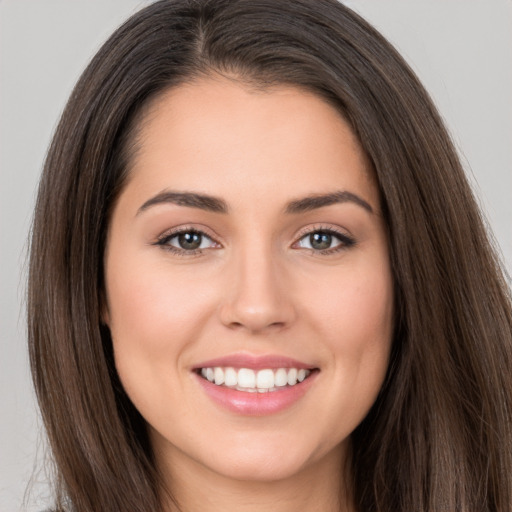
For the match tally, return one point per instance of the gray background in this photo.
(462, 50)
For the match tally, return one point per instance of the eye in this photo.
(189, 240)
(325, 241)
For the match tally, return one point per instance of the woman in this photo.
(259, 279)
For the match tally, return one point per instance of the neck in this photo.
(320, 486)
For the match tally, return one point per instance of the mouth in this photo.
(255, 385)
(265, 380)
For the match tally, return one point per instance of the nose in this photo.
(258, 296)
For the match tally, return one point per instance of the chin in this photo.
(265, 469)
(263, 462)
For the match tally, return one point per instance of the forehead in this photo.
(221, 137)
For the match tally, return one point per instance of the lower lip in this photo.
(256, 404)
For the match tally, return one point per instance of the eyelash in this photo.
(163, 241)
(346, 242)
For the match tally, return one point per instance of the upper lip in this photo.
(254, 362)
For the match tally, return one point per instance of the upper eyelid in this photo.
(163, 242)
(323, 227)
(203, 230)
(169, 233)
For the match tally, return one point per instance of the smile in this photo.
(262, 381)
(255, 385)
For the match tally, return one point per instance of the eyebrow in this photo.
(217, 205)
(315, 201)
(189, 199)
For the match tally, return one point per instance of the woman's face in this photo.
(249, 292)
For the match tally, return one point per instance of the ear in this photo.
(105, 318)
(104, 310)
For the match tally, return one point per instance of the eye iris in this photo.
(320, 240)
(190, 240)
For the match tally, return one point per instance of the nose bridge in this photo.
(256, 297)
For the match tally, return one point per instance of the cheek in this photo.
(150, 300)
(357, 322)
(154, 318)
(355, 318)
(356, 306)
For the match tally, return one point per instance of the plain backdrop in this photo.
(462, 50)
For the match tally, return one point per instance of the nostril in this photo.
(257, 307)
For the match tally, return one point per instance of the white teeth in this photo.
(252, 381)
(265, 379)
(219, 376)
(250, 390)
(292, 376)
(230, 377)
(281, 377)
(246, 378)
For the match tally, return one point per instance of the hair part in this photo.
(439, 436)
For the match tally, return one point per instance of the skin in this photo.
(256, 287)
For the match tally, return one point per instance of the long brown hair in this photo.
(439, 437)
